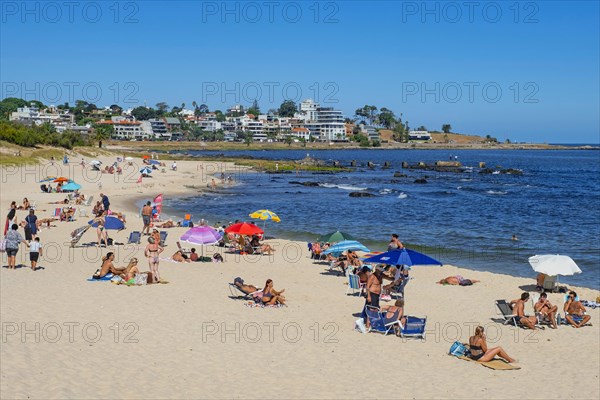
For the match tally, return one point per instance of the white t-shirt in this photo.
(35, 247)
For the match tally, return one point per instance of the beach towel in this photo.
(105, 278)
(496, 364)
(590, 304)
(253, 304)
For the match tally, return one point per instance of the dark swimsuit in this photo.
(475, 356)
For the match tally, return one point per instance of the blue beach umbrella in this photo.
(48, 179)
(346, 245)
(110, 223)
(402, 257)
(154, 162)
(146, 170)
(71, 187)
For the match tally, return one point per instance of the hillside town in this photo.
(307, 121)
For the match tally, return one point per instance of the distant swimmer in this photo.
(515, 238)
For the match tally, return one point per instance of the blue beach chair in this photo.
(413, 327)
(378, 322)
(354, 284)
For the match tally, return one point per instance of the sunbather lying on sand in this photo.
(180, 257)
(239, 282)
(167, 224)
(457, 280)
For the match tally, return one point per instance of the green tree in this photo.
(386, 118)
(248, 139)
(446, 128)
(10, 105)
(220, 117)
(303, 141)
(287, 108)
(254, 108)
(116, 109)
(161, 108)
(102, 132)
(143, 113)
(288, 140)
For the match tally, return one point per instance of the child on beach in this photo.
(35, 251)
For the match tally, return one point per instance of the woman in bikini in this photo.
(272, 296)
(457, 280)
(152, 251)
(481, 353)
(101, 230)
(131, 270)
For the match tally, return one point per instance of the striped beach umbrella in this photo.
(346, 245)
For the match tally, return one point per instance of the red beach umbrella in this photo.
(61, 179)
(244, 228)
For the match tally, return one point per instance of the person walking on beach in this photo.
(31, 225)
(10, 217)
(481, 353)
(152, 252)
(213, 184)
(13, 239)
(105, 202)
(35, 251)
(146, 217)
(101, 230)
(395, 243)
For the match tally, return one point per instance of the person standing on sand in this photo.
(213, 184)
(152, 252)
(146, 217)
(35, 251)
(31, 224)
(10, 216)
(13, 239)
(395, 243)
(105, 202)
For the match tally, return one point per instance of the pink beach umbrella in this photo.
(201, 235)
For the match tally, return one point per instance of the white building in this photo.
(33, 115)
(419, 135)
(332, 124)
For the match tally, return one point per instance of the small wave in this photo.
(496, 192)
(343, 187)
(402, 195)
(387, 191)
(466, 179)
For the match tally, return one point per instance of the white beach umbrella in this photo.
(96, 162)
(128, 158)
(554, 264)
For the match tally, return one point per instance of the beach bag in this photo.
(141, 279)
(360, 325)
(458, 349)
(2, 245)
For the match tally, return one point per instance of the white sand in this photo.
(188, 339)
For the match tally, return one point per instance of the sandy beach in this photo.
(65, 337)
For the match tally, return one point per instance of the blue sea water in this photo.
(466, 219)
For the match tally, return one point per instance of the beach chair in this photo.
(187, 219)
(163, 237)
(399, 289)
(378, 322)
(414, 327)
(507, 313)
(57, 213)
(183, 249)
(354, 284)
(83, 213)
(88, 202)
(240, 294)
(550, 283)
(135, 237)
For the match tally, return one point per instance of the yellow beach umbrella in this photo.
(265, 215)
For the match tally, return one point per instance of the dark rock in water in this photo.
(361, 194)
(395, 181)
(399, 175)
(511, 171)
(486, 171)
(312, 184)
(420, 180)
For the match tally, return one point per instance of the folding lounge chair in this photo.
(399, 289)
(182, 249)
(239, 293)
(414, 327)
(88, 202)
(378, 322)
(163, 237)
(550, 283)
(57, 212)
(83, 212)
(187, 219)
(507, 313)
(135, 237)
(354, 284)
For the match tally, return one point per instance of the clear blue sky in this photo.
(526, 71)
